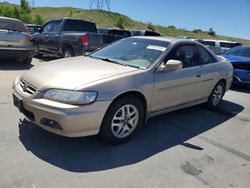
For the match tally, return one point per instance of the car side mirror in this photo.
(171, 65)
(40, 30)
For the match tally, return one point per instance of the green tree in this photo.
(25, 11)
(39, 20)
(16, 13)
(70, 14)
(120, 22)
(150, 26)
(211, 32)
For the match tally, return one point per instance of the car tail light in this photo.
(85, 40)
(27, 31)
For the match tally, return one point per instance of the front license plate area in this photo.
(18, 103)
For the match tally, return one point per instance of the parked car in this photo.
(15, 40)
(70, 37)
(33, 28)
(113, 31)
(240, 58)
(144, 33)
(116, 89)
(219, 46)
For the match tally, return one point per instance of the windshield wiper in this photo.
(116, 62)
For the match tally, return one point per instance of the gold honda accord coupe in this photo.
(116, 89)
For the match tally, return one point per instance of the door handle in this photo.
(198, 75)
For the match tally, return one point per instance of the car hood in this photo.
(237, 59)
(73, 73)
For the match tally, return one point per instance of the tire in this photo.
(117, 124)
(67, 53)
(27, 60)
(216, 95)
(36, 51)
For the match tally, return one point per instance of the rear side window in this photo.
(79, 25)
(208, 43)
(204, 56)
(13, 25)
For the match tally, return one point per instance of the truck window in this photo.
(151, 33)
(208, 43)
(55, 26)
(79, 25)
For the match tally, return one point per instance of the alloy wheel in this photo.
(125, 121)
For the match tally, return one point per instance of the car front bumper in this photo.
(62, 119)
(241, 77)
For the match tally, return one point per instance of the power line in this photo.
(100, 4)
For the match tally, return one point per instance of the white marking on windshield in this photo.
(159, 48)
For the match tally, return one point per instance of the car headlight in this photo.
(70, 97)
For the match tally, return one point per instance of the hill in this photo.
(111, 19)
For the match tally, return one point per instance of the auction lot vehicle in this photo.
(70, 37)
(114, 31)
(33, 28)
(114, 91)
(15, 40)
(144, 33)
(219, 46)
(240, 58)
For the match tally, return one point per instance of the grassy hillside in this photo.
(110, 19)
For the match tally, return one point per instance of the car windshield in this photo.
(12, 25)
(135, 52)
(239, 51)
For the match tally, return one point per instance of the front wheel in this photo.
(122, 120)
(216, 95)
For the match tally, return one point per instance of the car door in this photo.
(53, 37)
(174, 88)
(44, 37)
(210, 70)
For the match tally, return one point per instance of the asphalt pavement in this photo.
(192, 148)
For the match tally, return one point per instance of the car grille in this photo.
(242, 66)
(27, 88)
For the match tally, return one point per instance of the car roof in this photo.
(213, 40)
(7, 18)
(167, 39)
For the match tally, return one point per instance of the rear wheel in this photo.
(122, 120)
(67, 52)
(216, 95)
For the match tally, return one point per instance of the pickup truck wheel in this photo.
(122, 120)
(67, 53)
(216, 96)
(36, 51)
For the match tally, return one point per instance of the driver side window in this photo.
(47, 28)
(186, 54)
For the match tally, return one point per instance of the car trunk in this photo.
(14, 39)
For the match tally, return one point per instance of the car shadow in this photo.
(92, 154)
(47, 58)
(8, 64)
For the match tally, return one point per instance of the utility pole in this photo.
(100, 4)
